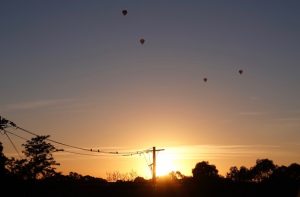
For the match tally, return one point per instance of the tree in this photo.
(116, 176)
(239, 175)
(139, 179)
(18, 168)
(244, 174)
(263, 169)
(203, 170)
(176, 175)
(293, 172)
(3, 161)
(75, 176)
(233, 173)
(40, 162)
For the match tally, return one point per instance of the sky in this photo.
(75, 70)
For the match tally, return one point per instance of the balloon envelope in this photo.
(205, 79)
(241, 71)
(124, 12)
(142, 40)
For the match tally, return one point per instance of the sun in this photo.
(164, 163)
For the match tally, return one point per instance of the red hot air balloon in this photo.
(241, 71)
(124, 12)
(205, 79)
(142, 40)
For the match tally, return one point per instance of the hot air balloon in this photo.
(241, 71)
(124, 12)
(205, 79)
(142, 40)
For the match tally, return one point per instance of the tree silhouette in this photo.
(139, 179)
(75, 176)
(233, 173)
(40, 161)
(263, 169)
(121, 177)
(239, 175)
(18, 168)
(3, 161)
(293, 171)
(203, 170)
(176, 175)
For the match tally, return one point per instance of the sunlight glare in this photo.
(165, 163)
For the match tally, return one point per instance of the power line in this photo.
(85, 154)
(5, 123)
(148, 162)
(67, 151)
(121, 153)
(15, 134)
(13, 144)
(58, 150)
(54, 141)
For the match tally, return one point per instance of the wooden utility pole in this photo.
(154, 150)
(154, 165)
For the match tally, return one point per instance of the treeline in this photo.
(36, 175)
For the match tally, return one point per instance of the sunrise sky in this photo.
(75, 70)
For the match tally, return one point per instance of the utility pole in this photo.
(154, 165)
(154, 150)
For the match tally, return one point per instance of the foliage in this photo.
(123, 177)
(203, 170)
(39, 155)
(139, 179)
(74, 176)
(293, 171)
(283, 173)
(176, 175)
(39, 162)
(3, 161)
(240, 175)
(263, 170)
(18, 168)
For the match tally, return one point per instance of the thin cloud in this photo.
(288, 119)
(222, 151)
(252, 113)
(37, 104)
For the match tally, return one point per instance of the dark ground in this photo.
(59, 187)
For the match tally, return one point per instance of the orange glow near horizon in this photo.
(165, 163)
(173, 158)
